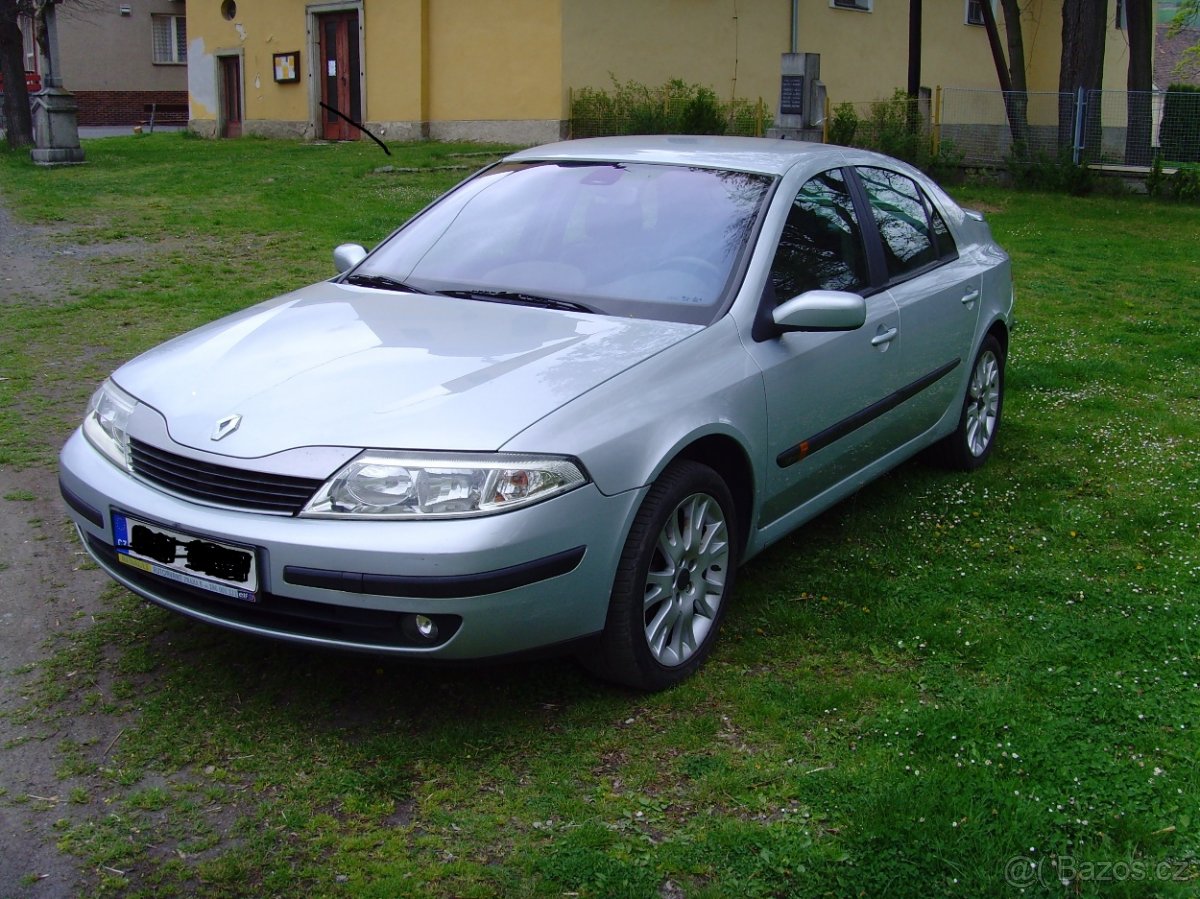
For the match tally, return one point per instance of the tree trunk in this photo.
(1011, 75)
(1084, 27)
(1139, 17)
(12, 64)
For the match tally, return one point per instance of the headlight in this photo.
(104, 425)
(382, 484)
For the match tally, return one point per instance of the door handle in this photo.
(970, 297)
(885, 336)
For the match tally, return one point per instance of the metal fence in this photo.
(1110, 128)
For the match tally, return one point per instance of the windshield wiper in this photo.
(382, 282)
(518, 298)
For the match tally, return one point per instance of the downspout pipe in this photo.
(795, 26)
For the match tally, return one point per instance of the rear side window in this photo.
(946, 250)
(821, 247)
(899, 210)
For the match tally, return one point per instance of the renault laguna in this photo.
(557, 408)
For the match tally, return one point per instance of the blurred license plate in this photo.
(223, 568)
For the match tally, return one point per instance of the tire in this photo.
(969, 446)
(672, 584)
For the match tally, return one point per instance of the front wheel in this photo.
(972, 441)
(672, 583)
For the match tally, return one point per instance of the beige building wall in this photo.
(504, 69)
(732, 47)
(255, 33)
(864, 55)
(102, 50)
(493, 69)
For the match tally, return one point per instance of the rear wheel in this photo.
(673, 582)
(972, 441)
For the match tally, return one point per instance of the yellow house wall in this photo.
(494, 60)
(731, 47)
(257, 31)
(393, 58)
(480, 61)
(864, 55)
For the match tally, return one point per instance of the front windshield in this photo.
(628, 239)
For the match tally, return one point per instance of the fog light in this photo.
(426, 627)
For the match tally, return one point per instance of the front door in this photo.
(824, 422)
(340, 85)
(231, 96)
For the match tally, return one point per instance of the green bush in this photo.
(675, 108)
(843, 124)
(1180, 127)
(896, 127)
(1041, 171)
(1183, 184)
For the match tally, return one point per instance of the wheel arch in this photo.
(728, 458)
(999, 330)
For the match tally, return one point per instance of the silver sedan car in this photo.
(557, 408)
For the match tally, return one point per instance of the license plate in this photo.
(223, 568)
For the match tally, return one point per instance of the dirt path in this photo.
(43, 595)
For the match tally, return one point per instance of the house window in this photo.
(170, 39)
(860, 5)
(1121, 21)
(975, 12)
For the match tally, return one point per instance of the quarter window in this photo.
(170, 39)
(899, 211)
(946, 250)
(821, 247)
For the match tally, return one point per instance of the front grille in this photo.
(252, 490)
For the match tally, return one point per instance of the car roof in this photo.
(744, 154)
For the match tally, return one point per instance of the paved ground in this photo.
(89, 131)
(43, 595)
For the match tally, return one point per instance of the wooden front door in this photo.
(231, 96)
(340, 86)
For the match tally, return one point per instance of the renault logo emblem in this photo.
(226, 426)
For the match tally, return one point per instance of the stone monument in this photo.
(55, 119)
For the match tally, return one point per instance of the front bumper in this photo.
(495, 585)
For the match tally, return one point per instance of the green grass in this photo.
(940, 677)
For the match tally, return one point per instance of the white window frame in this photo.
(967, 20)
(178, 51)
(853, 5)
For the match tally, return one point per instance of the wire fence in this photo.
(1112, 128)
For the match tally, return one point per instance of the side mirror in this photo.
(348, 255)
(821, 310)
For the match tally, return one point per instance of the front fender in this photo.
(628, 429)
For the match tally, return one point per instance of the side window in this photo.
(946, 250)
(821, 247)
(899, 212)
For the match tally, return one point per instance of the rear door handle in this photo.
(884, 336)
(970, 297)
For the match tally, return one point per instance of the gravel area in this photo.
(43, 595)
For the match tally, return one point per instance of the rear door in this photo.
(936, 291)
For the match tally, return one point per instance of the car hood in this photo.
(334, 364)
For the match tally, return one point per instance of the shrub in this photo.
(892, 126)
(1180, 127)
(1041, 171)
(1183, 184)
(675, 108)
(843, 124)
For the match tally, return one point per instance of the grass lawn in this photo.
(947, 685)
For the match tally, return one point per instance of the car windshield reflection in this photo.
(629, 239)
